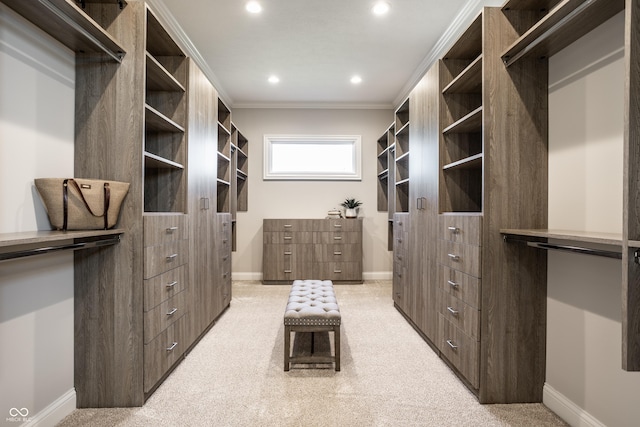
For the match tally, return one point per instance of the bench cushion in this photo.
(312, 303)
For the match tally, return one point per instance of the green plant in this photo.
(351, 203)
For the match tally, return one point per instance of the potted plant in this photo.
(351, 207)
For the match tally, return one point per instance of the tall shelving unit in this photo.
(492, 172)
(461, 115)
(165, 121)
(401, 158)
(224, 158)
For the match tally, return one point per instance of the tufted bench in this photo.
(312, 307)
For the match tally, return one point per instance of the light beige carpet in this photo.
(389, 376)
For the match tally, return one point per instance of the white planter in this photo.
(351, 213)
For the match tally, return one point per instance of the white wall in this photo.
(584, 381)
(310, 199)
(37, 80)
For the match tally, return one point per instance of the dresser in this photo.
(324, 249)
(458, 292)
(166, 257)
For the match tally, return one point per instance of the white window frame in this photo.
(354, 141)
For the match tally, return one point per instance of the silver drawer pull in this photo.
(174, 345)
(399, 274)
(288, 237)
(225, 240)
(337, 225)
(287, 226)
(226, 257)
(287, 271)
(399, 257)
(225, 275)
(452, 283)
(171, 229)
(172, 257)
(337, 238)
(454, 257)
(454, 230)
(172, 312)
(337, 271)
(287, 252)
(452, 311)
(399, 222)
(399, 240)
(337, 253)
(172, 284)
(451, 344)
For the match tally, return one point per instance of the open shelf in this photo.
(158, 78)
(613, 239)
(564, 24)
(155, 120)
(468, 81)
(159, 42)
(472, 162)
(536, 5)
(153, 161)
(472, 122)
(469, 45)
(224, 116)
(70, 25)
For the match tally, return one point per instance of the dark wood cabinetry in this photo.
(478, 163)
(324, 249)
(145, 114)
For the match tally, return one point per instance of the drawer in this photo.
(287, 225)
(337, 237)
(460, 350)
(162, 229)
(461, 229)
(162, 352)
(159, 259)
(338, 253)
(288, 237)
(464, 258)
(338, 271)
(462, 286)
(461, 315)
(338, 225)
(159, 318)
(401, 222)
(164, 286)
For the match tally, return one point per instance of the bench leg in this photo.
(287, 345)
(336, 341)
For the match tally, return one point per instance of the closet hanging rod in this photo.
(508, 60)
(566, 248)
(117, 56)
(107, 241)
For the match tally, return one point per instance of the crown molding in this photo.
(312, 105)
(169, 21)
(460, 23)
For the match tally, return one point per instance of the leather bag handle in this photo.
(65, 202)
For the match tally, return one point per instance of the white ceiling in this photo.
(314, 47)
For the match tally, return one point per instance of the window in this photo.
(312, 157)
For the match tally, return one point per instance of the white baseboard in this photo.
(377, 275)
(55, 412)
(369, 275)
(573, 414)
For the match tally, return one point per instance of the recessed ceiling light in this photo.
(253, 7)
(381, 7)
(274, 79)
(356, 80)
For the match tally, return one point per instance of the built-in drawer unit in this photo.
(460, 314)
(459, 292)
(459, 349)
(465, 229)
(325, 249)
(166, 256)
(401, 229)
(164, 350)
(461, 257)
(460, 285)
(162, 287)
